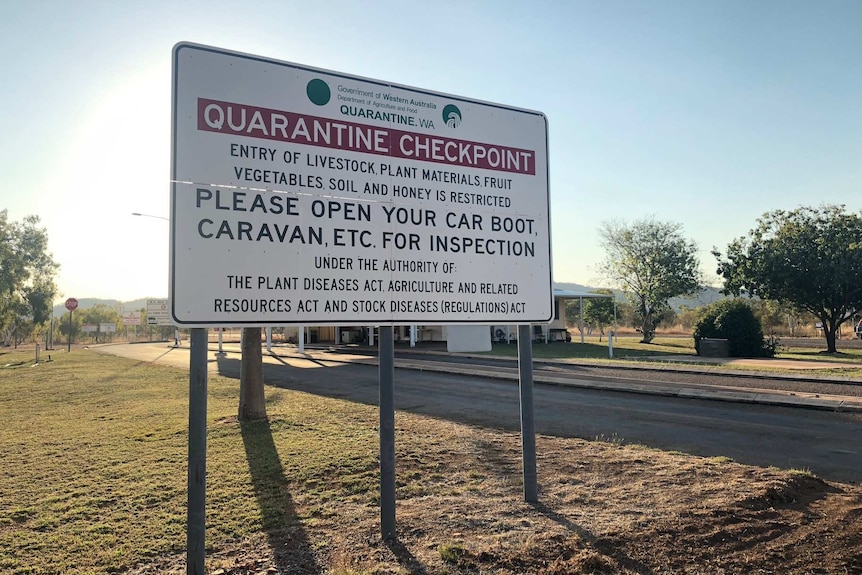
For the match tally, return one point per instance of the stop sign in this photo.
(71, 304)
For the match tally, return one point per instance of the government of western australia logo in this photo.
(318, 92)
(452, 115)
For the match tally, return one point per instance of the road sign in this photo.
(132, 318)
(309, 196)
(105, 327)
(158, 313)
(71, 304)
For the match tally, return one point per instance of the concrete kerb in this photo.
(712, 393)
(701, 366)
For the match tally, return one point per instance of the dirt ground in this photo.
(604, 507)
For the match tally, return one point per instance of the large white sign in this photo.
(301, 195)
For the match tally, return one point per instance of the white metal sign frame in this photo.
(306, 196)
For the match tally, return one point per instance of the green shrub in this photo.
(733, 320)
(451, 552)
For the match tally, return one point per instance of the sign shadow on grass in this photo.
(494, 460)
(603, 546)
(283, 528)
(405, 558)
(286, 535)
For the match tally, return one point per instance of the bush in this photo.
(733, 320)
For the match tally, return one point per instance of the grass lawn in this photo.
(93, 481)
(94, 452)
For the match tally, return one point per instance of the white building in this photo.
(463, 338)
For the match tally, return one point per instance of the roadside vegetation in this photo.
(796, 263)
(680, 349)
(27, 273)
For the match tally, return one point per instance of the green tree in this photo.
(573, 312)
(599, 311)
(573, 316)
(626, 315)
(651, 262)
(776, 316)
(26, 274)
(15, 320)
(687, 316)
(63, 326)
(40, 298)
(810, 258)
(733, 320)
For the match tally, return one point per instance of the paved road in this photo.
(826, 442)
(792, 386)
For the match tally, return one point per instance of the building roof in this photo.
(572, 294)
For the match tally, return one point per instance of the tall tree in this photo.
(651, 262)
(27, 272)
(809, 257)
(40, 298)
(598, 312)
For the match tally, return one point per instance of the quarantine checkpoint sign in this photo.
(302, 195)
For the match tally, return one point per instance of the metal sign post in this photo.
(69, 339)
(196, 520)
(528, 427)
(387, 433)
(71, 305)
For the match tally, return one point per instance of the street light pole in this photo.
(151, 216)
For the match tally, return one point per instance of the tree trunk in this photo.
(830, 332)
(647, 329)
(252, 402)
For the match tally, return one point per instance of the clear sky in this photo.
(705, 113)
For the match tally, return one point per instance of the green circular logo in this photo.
(318, 92)
(452, 115)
